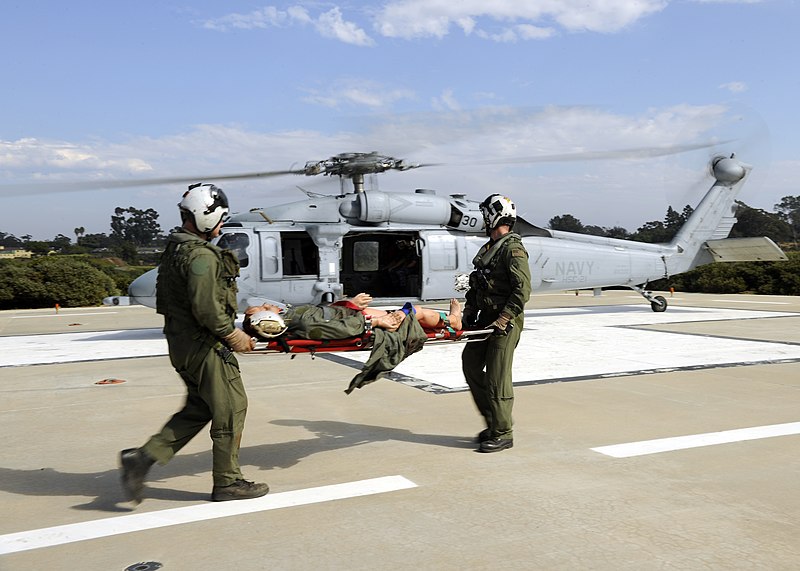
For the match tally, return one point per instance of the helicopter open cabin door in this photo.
(242, 243)
(288, 265)
(383, 264)
(440, 252)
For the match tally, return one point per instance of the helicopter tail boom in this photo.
(713, 218)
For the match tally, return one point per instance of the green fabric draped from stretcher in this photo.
(389, 349)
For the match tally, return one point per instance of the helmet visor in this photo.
(218, 200)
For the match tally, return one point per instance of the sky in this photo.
(108, 91)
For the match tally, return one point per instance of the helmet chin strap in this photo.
(190, 227)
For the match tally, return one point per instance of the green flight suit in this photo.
(324, 321)
(196, 293)
(501, 283)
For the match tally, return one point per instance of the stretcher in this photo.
(363, 342)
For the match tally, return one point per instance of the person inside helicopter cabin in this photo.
(403, 264)
(343, 319)
(499, 288)
(196, 294)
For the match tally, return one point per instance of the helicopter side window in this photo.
(365, 256)
(238, 244)
(300, 254)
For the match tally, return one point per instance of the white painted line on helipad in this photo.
(59, 535)
(555, 343)
(745, 301)
(697, 440)
(70, 314)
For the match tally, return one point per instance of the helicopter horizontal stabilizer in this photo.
(760, 249)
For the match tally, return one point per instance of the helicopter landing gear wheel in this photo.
(658, 304)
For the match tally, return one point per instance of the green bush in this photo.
(766, 278)
(43, 282)
(122, 275)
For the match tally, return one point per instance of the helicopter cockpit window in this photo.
(300, 254)
(237, 243)
(365, 256)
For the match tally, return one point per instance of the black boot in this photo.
(496, 444)
(239, 490)
(484, 434)
(134, 465)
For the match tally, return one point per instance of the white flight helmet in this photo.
(461, 282)
(268, 324)
(205, 205)
(498, 209)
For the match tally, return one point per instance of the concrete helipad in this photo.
(642, 441)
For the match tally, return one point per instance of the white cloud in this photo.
(299, 14)
(728, 1)
(517, 33)
(446, 101)
(357, 92)
(483, 133)
(266, 17)
(530, 32)
(502, 20)
(497, 20)
(734, 86)
(479, 150)
(50, 157)
(332, 25)
(329, 24)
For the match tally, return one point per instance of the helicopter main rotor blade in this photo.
(634, 153)
(341, 166)
(47, 187)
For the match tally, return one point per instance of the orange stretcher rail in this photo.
(361, 342)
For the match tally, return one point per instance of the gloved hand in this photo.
(469, 318)
(239, 341)
(500, 325)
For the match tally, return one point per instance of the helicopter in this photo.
(413, 246)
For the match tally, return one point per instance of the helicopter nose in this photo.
(143, 289)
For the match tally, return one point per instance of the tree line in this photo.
(82, 273)
(102, 265)
(131, 229)
(782, 225)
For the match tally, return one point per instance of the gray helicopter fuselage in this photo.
(410, 247)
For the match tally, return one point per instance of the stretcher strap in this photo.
(443, 317)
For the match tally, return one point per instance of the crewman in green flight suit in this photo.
(500, 286)
(196, 294)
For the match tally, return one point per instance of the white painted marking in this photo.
(71, 533)
(748, 302)
(592, 342)
(697, 440)
(66, 314)
(85, 346)
(558, 343)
